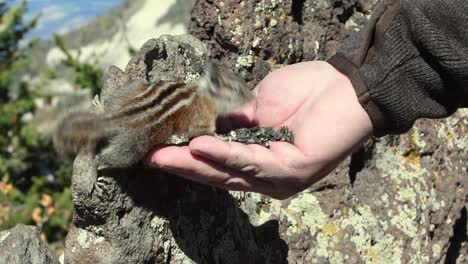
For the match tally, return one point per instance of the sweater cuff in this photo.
(376, 115)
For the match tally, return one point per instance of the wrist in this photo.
(362, 116)
(342, 65)
(351, 117)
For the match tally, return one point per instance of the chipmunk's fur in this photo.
(142, 115)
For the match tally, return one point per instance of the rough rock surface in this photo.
(398, 200)
(256, 36)
(23, 244)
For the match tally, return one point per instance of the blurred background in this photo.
(53, 55)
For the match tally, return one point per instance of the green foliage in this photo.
(34, 181)
(50, 73)
(18, 141)
(86, 75)
(40, 205)
(12, 32)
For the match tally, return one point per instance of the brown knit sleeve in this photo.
(410, 62)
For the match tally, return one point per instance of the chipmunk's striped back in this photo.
(153, 105)
(140, 115)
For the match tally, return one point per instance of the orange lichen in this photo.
(412, 156)
(437, 180)
(345, 212)
(330, 229)
(449, 136)
(372, 254)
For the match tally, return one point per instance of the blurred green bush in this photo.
(34, 180)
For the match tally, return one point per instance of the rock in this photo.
(23, 244)
(255, 37)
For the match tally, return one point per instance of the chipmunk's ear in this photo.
(226, 88)
(213, 72)
(210, 81)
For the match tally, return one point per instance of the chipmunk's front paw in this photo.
(101, 186)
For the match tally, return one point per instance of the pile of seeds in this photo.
(256, 135)
(259, 135)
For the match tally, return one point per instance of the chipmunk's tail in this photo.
(77, 131)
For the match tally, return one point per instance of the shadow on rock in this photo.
(206, 223)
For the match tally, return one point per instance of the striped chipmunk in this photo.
(141, 115)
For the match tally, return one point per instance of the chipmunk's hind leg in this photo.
(123, 150)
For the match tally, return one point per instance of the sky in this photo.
(61, 16)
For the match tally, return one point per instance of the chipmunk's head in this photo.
(227, 89)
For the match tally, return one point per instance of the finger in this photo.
(249, 159)
(279, 170)
(166, 156)
(180, 161)
(208, 172)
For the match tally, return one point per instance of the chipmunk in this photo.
(141, 115)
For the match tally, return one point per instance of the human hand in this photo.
(314, 100)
